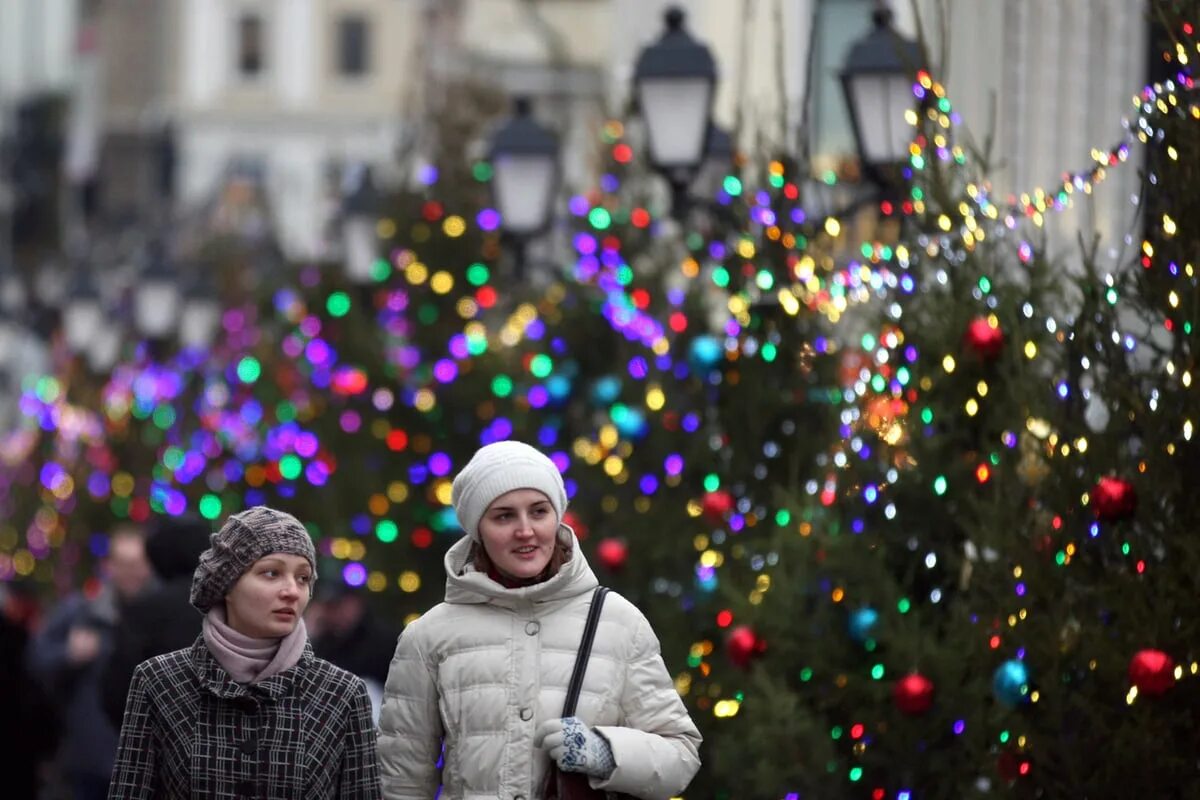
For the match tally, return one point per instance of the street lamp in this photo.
(718, 160)
(82, 313)
(105, 346)
(525, 175)
(877, 79)
(674, 83)
(156, 302)
(200, 316)
(360, 213)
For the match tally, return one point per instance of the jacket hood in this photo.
(175, 545)
(465, 584)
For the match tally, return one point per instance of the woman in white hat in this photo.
(484, 673)
(248, 711)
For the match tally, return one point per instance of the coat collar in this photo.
(466, 585)
(215, 679)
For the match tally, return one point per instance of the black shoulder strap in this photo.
(585, 651)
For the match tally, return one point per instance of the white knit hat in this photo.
(497, 469)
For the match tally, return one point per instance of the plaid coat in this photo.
(191, 731)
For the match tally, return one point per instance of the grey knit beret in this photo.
(245, 538)
(497, 469)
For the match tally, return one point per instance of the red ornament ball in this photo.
(716, 505)
(742, 645)
(1151, 671)
(612, 553)
(571, 519)
(1114, 499)
(913, 694)
(984, 340)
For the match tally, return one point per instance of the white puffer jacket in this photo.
(484, 668)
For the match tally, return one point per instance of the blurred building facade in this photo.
(292, 90)
(37, 46)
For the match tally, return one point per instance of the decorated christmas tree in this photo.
(906, 513)
(987, 592)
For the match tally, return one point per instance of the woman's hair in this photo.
(478, 557)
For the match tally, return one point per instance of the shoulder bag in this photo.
(574, 785)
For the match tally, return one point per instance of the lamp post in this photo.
(104, 348)
(674, 84)
(525, 177)
(360, 212)
(200, 316)
(718, 159)
(877, 79)
(82, 314)
(156, 301)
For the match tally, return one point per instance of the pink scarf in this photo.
(246, 659)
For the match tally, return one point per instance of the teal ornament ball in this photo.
(558, 387)
(704, 353)
(630, 422)
(861, 624)
(1010, 683)
(605, 390)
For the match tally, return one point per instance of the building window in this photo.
(250, 52)
(353, 46)
(836, 25)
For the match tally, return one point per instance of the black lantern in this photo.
(156, 302)
(81, 313)
(105, 345)
(200, 316)
(525, 173)
(877, 78)
(674, 84)
(717, 164)
(360, 213)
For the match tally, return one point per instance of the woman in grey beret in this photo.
(247, 710)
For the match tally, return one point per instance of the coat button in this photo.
(526, 714)
(249, 746)
(532, 628)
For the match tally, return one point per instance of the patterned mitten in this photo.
(576, 747)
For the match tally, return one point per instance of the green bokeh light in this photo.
(290, 467)
(386, 531)
(210, 506)
(541, 365)
(249, 370)
(502, 386)
(338, 304)
(477, 274)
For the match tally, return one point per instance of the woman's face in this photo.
(269, 598)
(518, 531)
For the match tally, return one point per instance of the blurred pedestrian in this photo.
(161, 619)
(68, 654)
(29, 721)
(348, 633)
(248, 710)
